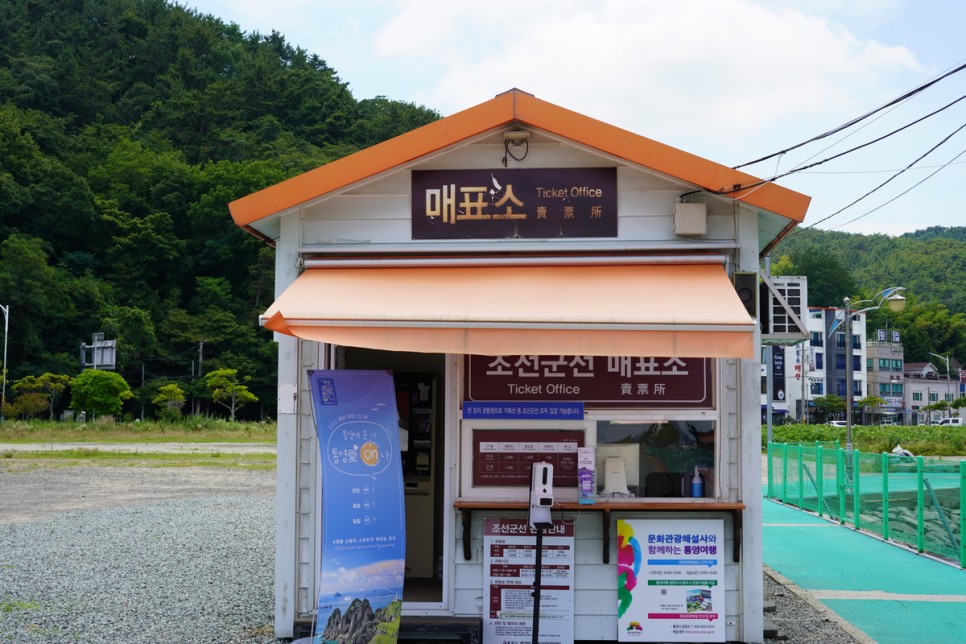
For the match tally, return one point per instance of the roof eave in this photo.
(516, 106)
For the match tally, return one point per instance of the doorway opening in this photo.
(419, 380)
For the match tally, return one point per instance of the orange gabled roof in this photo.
(517, 107)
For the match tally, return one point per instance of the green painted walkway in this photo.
(885, 591)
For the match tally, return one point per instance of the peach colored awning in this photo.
(679, 310)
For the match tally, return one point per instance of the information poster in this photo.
(363, 548)
(670, 580)
(510, 547)
(503, 457)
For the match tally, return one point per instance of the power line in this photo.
(897, 174)
(909, 189)
(921, 167)
(859, 119)
(798, 169)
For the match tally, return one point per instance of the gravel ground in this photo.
(131, 567)
(120, 554)
(800, 618)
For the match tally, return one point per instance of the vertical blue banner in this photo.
(363, 549)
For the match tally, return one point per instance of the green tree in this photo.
(133, 329)
(869, 403)
(828, 279)
(830, 404)
(40, 195)
(30, 286)
(99, 392)
(125, 129)
(27, 405)
(144, 252)
(228, 391)
(170, 400)
(50, 386)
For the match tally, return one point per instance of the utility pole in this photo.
(6, 332)
(769, 366)
(804, 372)
(201, 357)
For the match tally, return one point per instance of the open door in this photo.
(419, 403)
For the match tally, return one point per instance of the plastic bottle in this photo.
(697, 485)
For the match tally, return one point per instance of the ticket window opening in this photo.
(655, 459)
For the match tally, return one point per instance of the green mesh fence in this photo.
(910, 500)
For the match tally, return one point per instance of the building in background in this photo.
(926, 385)
(783, 310)
(816, 368)
(884, 363)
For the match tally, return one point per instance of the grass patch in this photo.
(99, 435)
(191, 430)
(14, 605)
(93, 456)
(929, 440)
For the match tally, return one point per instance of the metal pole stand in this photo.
(538, 573)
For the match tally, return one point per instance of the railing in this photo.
(911, 500)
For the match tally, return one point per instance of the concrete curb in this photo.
(806, 597)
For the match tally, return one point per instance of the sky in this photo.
(728, 80)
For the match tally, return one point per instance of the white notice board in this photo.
(670, 579)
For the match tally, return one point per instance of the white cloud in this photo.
(682, 73)
(729, 80)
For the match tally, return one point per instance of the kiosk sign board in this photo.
(615, 381)
(509, 545)
(363, 547)
(670, 580)
(514, 203)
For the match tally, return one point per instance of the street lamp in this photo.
(891, 297)
(948, 396)
(6, 328)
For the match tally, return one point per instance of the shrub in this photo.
(929, 440)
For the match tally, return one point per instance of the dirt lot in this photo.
(34, 490)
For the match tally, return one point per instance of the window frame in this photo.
(467, 490)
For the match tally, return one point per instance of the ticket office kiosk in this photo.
(608, 243)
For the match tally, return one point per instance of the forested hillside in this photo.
(126, 126)
(930, 264)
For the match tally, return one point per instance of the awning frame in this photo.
(513, 260)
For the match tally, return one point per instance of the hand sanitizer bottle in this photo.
(697, 485)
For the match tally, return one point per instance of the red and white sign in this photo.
(615, 381)
(509, 546)
(506, 457)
